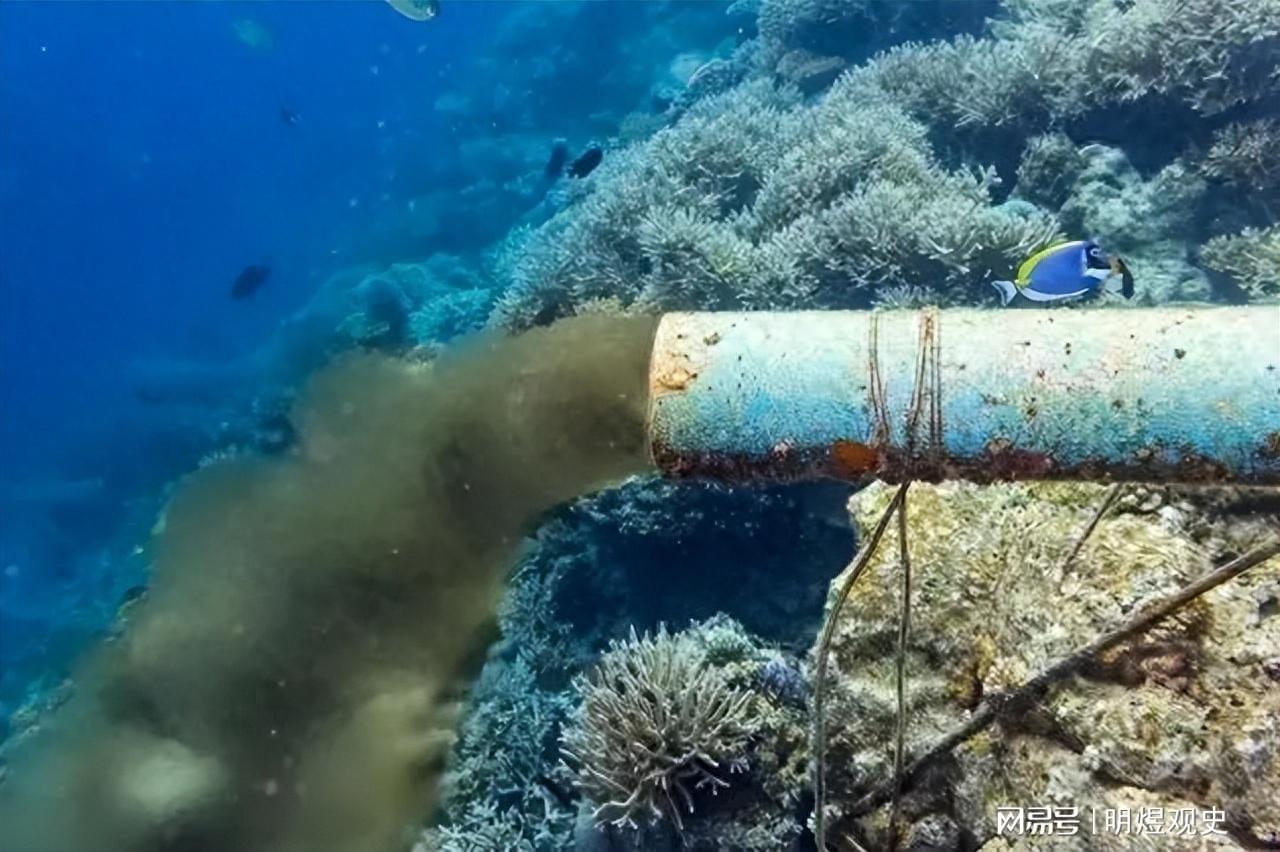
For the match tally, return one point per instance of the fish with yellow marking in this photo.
(1066, 270)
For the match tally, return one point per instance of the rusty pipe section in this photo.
(1173, 394)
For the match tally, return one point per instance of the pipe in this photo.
(1172, 394)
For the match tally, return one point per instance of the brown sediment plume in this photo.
(289, 683)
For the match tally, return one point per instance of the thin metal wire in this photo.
(904, 637)
(1112, 495)
(819, 743)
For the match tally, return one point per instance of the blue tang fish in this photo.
(1065, 271)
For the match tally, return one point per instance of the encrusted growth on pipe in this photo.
(1161, 395)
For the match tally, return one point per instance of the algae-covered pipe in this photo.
(1174, 394)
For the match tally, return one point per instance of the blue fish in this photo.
(1065, 271)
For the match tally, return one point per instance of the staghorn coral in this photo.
(530, 622)
(755, 200)
(1251, 258)
(1210, 54)
(481, 828)
(711, 162)
(658, 725)
(691, 260)
(1246, 155)
(850, 29)
(506, 746)
(617, 558)
(1157, 64)
(965, 82)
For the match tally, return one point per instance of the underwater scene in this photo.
(751, 425)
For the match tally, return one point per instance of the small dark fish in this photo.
(288, 116)
(250, 280)
(587, 162)
(559, 156)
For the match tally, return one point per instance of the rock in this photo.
(1183, 716)
(934, 833)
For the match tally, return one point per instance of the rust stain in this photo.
(676, 379)
(1008, 462)
(851, 459)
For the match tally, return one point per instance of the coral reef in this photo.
(1178, 717)
(1251, 258)
(755, 197)
(657, 725)
(677, 745)
(711, 711)
(500, 791)
(850, 30)
(755, 200)
(1061, 59)
(617, 559)
(1246, 155)
(416, 304)
(621, 557)
(1149, 222)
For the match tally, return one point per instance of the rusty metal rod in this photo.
(1174, 394)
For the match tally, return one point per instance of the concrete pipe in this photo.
(1173, 394)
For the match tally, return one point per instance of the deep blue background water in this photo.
(145, 162)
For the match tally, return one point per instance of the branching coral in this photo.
(942, 234)
(850, 29)
(506, 744)
(658, 723)
(1207, 54)
(1246, 155)
(825, 26)
(1251, 258)
(691, 260)
(1210, 54)
(755, 200)
(965, 82)
(1059, 60)
(709, 165)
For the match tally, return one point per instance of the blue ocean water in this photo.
(144, 162)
